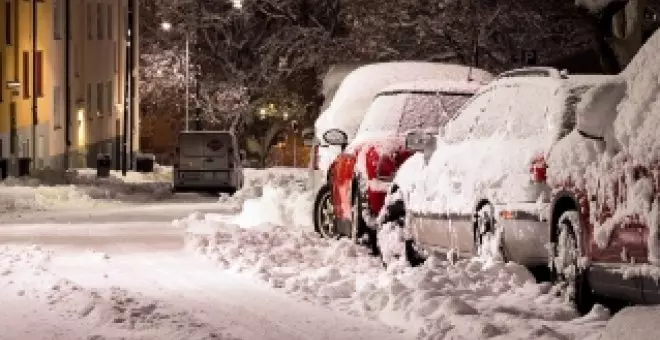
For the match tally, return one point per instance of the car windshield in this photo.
(399, 112)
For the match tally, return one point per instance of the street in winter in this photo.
(329, 169)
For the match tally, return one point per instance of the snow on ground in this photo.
(467, 299)
(67, 310)
(50, 190)
(275, 196)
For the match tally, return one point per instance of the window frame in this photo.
(25, 70)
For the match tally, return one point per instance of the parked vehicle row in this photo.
(536, 166)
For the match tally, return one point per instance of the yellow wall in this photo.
(13, 61)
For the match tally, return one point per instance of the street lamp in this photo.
(167, 26)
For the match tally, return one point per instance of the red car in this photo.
(605, 211)
(361, 175)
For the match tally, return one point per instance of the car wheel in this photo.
(324, 217)
(488, 240)
(565, 266)
(360, 232)
(392, 240)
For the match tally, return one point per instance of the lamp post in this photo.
(167, 26)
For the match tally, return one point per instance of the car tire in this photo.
(324, 219)
(394, 215)
(564, 262)
(485, 234)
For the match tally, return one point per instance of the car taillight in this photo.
(537, 170)
(316, 157)
(386, 168)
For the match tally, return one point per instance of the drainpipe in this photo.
(67, 82)
(35, 116)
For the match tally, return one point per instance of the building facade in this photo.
(62, 121)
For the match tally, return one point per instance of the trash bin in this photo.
(103, 164)
(24, 166)
(145, 162)
(3, 168)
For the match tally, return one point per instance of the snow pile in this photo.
(88, 313)
(467, 299)
(275, 196)
(639, 323)
(49, 189)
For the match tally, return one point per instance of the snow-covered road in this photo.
(144, 261)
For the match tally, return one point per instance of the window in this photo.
(57, 107)
(8, 31)
(400, 112)
(100, 104)
(26, 74)
(13, 131)
(110, 23)
(99, 21)
(90, 21)
(57, 19)
(430, 110)
(109, 97)
(89, 100)
(38, 72)
(76, 60)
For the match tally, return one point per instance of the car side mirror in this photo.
(598, 108)
(336, 137)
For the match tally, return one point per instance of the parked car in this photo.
(482, 187)
(605, 211)
(348, 107)
(361, 175)
(208, 161)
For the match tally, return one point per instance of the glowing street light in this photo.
(166, 26)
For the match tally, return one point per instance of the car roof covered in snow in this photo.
(447, 86)
(359, 88)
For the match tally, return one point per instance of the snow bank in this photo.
(639, 323)
(269, 197)
(467, 299)
(48, 189)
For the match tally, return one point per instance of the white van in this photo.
(353, 97)
(207, 161)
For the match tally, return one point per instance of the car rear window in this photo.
(399, 112)
(205, 145)
(430, 110)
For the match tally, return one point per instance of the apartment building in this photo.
(39, 118)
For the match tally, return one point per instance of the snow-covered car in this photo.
(349, 105)
(482, 188)
(605, 212)
(360, 176)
